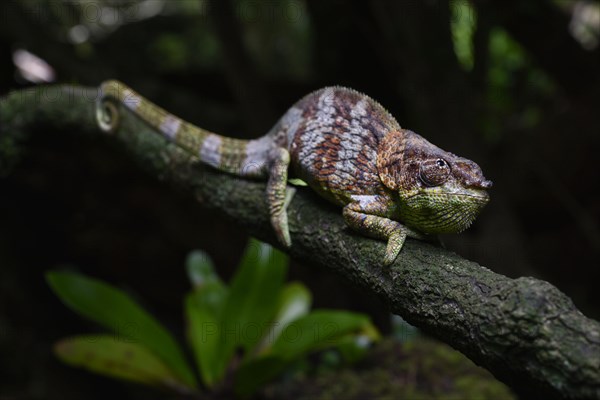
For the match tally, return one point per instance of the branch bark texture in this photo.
(525, 331)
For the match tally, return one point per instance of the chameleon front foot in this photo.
(359, 216)
(394, 245)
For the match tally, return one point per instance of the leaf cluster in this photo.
(245, 333)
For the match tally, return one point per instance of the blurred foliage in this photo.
(510, 67)
(252, 329)
(463, 21)
(278, 36)
(416, 369)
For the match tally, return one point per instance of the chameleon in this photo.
(390, 182)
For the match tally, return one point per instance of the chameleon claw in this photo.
(280, 220)
(289, 195)
(279, 195)
(280, 225)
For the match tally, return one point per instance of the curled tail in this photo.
(249, 158)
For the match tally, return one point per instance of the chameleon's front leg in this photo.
(363, 215)
(279, 195)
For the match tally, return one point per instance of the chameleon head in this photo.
(438, 192)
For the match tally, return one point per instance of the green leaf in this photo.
(317, 330)
(294, 302)
(111, 356)
(297, 182)
(203, 310)
(353, 347)
(254, 373)
(200, 269)
(463, 24)
(251, 304)
(349, 332)
(115, 310)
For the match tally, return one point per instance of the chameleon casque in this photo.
(391, 182)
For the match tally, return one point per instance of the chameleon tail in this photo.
(247, 158)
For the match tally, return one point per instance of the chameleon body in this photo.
(391, 182)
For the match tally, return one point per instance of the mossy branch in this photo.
(525, 331)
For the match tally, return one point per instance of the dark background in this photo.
(511, 85)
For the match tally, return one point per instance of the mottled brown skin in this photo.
(391, 182)
(336, 153)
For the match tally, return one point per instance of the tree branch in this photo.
(525, 331)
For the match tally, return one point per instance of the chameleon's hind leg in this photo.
(362, 216)
(279, 195)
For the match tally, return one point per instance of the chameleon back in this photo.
(333, 136)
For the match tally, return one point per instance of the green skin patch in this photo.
(391, 182)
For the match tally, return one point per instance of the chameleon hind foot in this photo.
(279, 195)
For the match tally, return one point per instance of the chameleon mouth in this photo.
(444, 212)
(478, 195)
(474, 194)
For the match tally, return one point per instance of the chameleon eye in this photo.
(434, 172)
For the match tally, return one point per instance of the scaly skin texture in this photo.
(391, 182)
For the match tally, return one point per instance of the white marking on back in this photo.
(313, 134)
(360, 109)
(352, 142)
(170, 126)
(210, 152)
(325, 109)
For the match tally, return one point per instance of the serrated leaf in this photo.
(109, 356)
(116, 311)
